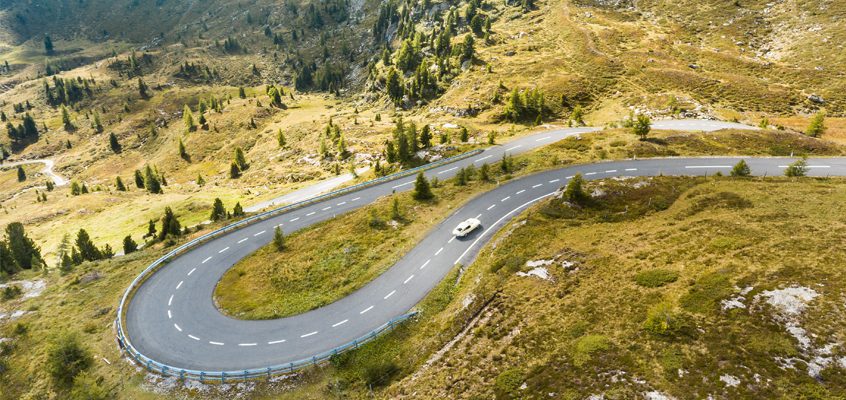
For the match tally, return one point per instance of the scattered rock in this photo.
(815, 98)
(656, 395)
(730, 380)
(30, 289)
(540, 272)
(90, 277)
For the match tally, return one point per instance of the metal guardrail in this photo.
(167, 370)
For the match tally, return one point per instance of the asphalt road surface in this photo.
(173, 320)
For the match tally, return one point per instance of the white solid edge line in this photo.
(191, 271)
(216, 343)
(259, 233)
(340, 323)
(389, 295)
(179, 285)
(277, 341)
(366, 310)
(206, 260)
(222, 250)
(177, 327)
(497, 223)
(193, 337)
(408, 279)
(308, 334)
(247, 344)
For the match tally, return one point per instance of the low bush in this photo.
(656, 277)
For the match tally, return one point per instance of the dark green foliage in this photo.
(183, 153)
(641, 126)
(741, 169)
(705, 294)
(170, 225)
(66, 358)
(465, 136)
(655, 277)
(143, 89)
(21, 174)
(817, 126)
(114, 144)
(86, 248)
(22, 249)
(218, 211)
(25, 133)
(425, 137)
(119, 184)
(422, 191)
(48, 45)
(279, 239)
(238, 211)
(468, 48)
(139, 179)
(151, 181)
(575, 193)
(528, 105)
(394, 86)
(234, 171)
(507, 384)
(240, 159)
(129, 245)
(797, 168)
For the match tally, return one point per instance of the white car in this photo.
(466, 227)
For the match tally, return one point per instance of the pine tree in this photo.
(234, 171)
(422, 191)
(151, 229)
(468, 50)
(188, 118)
(139, 179)
(142, 88)
(278, 239)
(394, 86)
(48, 45)
(218, 211)
(22, 249)
(425, 137)
(242, 93)
(66, 119)
(87, 250)
(238, 211)
(797, 169)
(113, 143)
(182, 152)
(465, 136)
(484, 173)
(97, 125)
(741, 169)
(200, 181)
(129, 245)
(119, 184)
(641, 126)
(574, 192)
(151, 181)
(240, 159)
(461, 177)
(817, 126)
(21, 174)
(170, 225)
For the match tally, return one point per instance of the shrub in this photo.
(507, 383)
(66, 358)
(796, 169)
(662, 320)
(587, 346)
(741, 169)
(86, 386)
(656, 278)
(708, 290)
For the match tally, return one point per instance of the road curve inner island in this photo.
(172, 318)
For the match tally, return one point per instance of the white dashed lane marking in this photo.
(311, 213)
(506, 198)
(223, 249)
(571, 176)
(611, 171)
(590, 173)
(554, 180)
(193, 337)
(191, 271)
(170, 301)
(206, 260)
(277, 341)
(483, 158)
(259, 233)
(242, 240)
(515, 147)
(543, 138)
(389, 294)
(366, 310)
(807, 166)
(340, 323)
(308, 334)
(177, 327)
(448, 170)
(295, 219)
(169, 316)
(439, 251)
(479, 216)
(537, 186)
(402, 184)
(408, 279)
(216, 343)
(424, 265)
(451, 239)
(356, 199)
(631, 169)
(179, 285)
(247, 344)
(520, 191)
(341, 203)
(491, 207)
(706, 166)
(326, 208)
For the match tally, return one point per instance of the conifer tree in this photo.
(113, 143)
(234, 171)
(425, 137)
(142, 88)
(21, 174)
(188, 118)
(119, 184)
(48, 45)
(280, 138)
(21, 248)
(218, 211)
(242, 93)
(817, 126)
(170, 225)
(574, 192)
(741, 169)
(422, 191)
(279, 239)
(240, 159)
(66, 119)
(139, 179)
(151, 181)
(200, 181)
(87, 250)
(129, 245)
(182, 152)
(97, 125)
(238, 211)
(465, 136)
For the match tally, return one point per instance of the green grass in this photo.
(654, 278)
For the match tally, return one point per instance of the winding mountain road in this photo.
(172, 319)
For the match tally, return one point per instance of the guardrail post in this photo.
(245, 375)
(355, 343)
(223, 377)
(268, 372)
(164, 370)
(314, 359)
(182, 375)
(149, 367)
(202, 377)
(292, 367)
